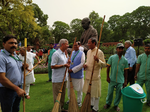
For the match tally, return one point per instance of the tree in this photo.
(61, 30)
(96, 22)
(141, 21)
(75, 29)
(41, 18)
(17, 17)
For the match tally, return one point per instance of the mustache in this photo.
(13, 47)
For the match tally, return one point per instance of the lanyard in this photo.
(75, 56)
(14, 57)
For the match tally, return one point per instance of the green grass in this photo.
(42, 97)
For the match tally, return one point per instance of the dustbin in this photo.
(133, 98)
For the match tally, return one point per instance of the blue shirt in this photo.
(130, 55)
(12, 68)
(58, 58)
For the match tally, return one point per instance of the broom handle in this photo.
(34, 67)
(67, 68)
(97, 48)
(24, 79)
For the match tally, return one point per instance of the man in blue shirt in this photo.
(59, 64)
(130, 55)
(11, 76)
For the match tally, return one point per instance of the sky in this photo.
(67, 10)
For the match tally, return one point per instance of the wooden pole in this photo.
(25, 45)
(57, 103)
(34, 67)
(86, 106)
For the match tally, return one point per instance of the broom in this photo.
(56, 105)
(73, 106)
(25, 45)
(35, 66)
(86, 106)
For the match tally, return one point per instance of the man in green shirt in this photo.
(118, 77)
(142, 73)
(50, 53)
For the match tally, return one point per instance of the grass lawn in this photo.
(42, 97)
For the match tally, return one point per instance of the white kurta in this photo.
(29, 59)
(77, 83)
(96, 80)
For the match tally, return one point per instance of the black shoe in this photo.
(148, 104)
(49, 80)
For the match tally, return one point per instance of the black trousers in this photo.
(131, 75)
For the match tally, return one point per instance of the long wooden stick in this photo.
(57, 103)
(97, 48)
(87, 100)
(35, 66)
(67, 68)
(24, 73)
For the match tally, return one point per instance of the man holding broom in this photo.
(11, 76)
(76, 72)
(96, 80)
(30, 77)
(59, 64)
(118, 78)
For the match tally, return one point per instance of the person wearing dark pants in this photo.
(130, 55)
(11, 76)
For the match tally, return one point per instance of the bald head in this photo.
(22, 51)
(85, 23)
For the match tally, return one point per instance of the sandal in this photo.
(117, 108)
(106, 106)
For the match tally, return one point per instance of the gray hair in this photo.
(128, 42)
(62, 41)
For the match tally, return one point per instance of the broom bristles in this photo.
(73, 106)
(57, 104)
(86, 105)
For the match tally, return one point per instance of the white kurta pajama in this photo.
(30, 77)
(96, 80)
(77, 83)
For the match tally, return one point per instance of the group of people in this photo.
(121, 70)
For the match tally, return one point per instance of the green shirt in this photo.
(50, 55)
(144, 71)
(117, 68)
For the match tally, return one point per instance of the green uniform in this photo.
(116, 78)
(143, 75)
(49, 63)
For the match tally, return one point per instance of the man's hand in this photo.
(20, 92)
(108, 79)
(130, 68)
(96, 59)
(135, 77)
(84, 66)
(70, 70)
(125, 84)
(69, 61)
(67, 65)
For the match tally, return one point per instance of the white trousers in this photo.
(27, 89)
(95, 103)
(78, 86)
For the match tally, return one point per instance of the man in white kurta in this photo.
(96, 80)
(76, 72)
(30, 77)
